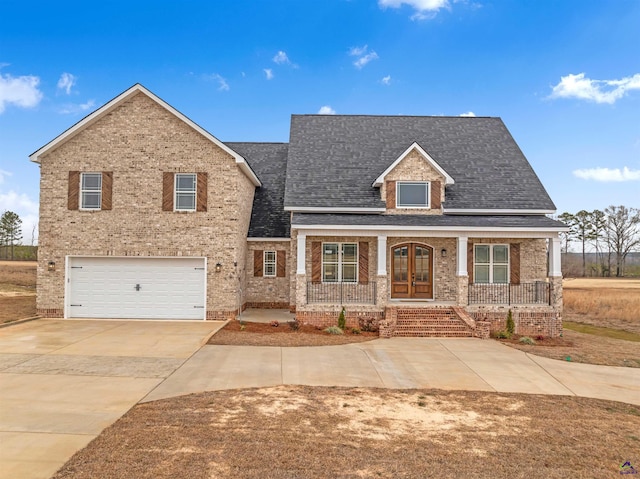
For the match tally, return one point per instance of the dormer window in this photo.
(414, 194)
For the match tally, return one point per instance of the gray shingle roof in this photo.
(334, 159)
(475, 221)
(269, 163)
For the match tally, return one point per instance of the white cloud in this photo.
(4, 173)
(608, 174)
(75, 108)
(21, 91)
(268, 73)
(364, 56)
(222, 82)
(25, 208)
(66, 82)
(326, 110)
(469, 113)
(424, 9)
(281, 58)
(386, 80)
(599, 91)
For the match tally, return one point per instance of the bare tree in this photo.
(566, 238)
(623, 233)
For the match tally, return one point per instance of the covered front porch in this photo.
(371, 270)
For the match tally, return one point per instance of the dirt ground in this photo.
(17, 290)
(305, 432)
(259, 334)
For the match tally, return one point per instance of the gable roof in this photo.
(433, 163)
(117, 101)
(334, 160)
(269, 161)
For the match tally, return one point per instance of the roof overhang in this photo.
(448, 180)
(463, 211)
(117, 101)
(331, 209)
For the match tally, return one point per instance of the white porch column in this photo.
(382, 255)
(555, 265)
(301, 254)
(461, 268)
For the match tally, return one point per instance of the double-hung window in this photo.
(340, 262)
(90, 191)
(491, 263)
(412, 194)
(185, 192)
(269, 267)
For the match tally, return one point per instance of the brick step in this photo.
(432, 334)
(429, 321)
(435, 330)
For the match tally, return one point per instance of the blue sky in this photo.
(563, 75)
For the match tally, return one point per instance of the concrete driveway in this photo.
(63, 382)
(472, 364)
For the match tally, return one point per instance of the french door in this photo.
(412, 271)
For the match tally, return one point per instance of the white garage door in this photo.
(136, 288)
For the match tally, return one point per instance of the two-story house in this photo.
(415, 225)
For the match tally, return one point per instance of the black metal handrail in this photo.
(341, 293)
(524, 293)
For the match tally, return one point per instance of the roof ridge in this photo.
(395, 116)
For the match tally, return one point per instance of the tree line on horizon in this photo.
(612, 233)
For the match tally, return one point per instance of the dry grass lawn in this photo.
(17, 290)
(607, 302)
(305, 432)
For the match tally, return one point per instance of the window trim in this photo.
(427, 186)
(176, 192)
(491, 263)
(82, 191)
(265, 262)
(340, 263)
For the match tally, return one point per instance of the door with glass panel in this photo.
(412, 271)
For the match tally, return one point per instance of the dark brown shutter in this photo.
(391, 195)
(258, 256)
(107, 187)
(316, 261)
(201, 192)
(470, 261)
(167, 191)
(514, 258)
(281, 264)
(363, 262)
(74, 190)
(435, 195)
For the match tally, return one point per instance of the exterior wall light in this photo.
(51, 266)
(443, 252)
(218, 267)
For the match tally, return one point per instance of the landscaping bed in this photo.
(264, 334)
(17, 290)
(307, 432)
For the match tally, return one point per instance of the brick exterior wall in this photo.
(138, 141)
(530, 320)
(264, 290)
(414, 167)
(355, 318)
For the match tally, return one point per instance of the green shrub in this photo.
(342, 321)
(527, 340)
(355, 331)
(334, 330)
(511, 325)
(502, 335)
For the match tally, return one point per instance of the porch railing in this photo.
(524, 293)
(341, 293)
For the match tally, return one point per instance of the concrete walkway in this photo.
(471, 364)
(63, 381)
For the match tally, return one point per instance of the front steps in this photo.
(440, 322)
